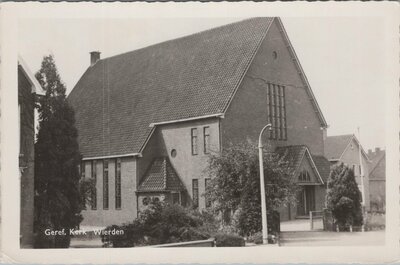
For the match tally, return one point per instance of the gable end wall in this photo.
(247, 113)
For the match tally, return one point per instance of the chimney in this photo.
(369, 152)
(94, 57)
(377, 149)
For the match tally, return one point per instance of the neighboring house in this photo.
(148, 119)
(377, 180)
(346, 149)
(28, 88)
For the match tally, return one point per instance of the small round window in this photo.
(274, 55)
(173, 153)
(146, 200)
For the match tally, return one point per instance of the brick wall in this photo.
(26, 159)
(247, 113)
(178, 136)
(110, 216)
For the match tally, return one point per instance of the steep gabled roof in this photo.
(195, 76)
(118, 98)
(377, 159)
(335, 146)
(161, 176)
(35, 86)
(294, 154)
(323, 166)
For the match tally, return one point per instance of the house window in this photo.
(94, 189)
(195, 191)
(105, 184)
(276, 108)
(118, 183)
(207, 186)
(176, 198)
(206, 133)
(194, 141)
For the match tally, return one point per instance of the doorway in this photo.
(306, 201)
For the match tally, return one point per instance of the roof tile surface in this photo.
(161, 176)
(116, 99)
(334, 146)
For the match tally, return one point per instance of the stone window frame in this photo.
(206, 138)
(94, 190)
(194, 140)
(118, 191)
(106, 199)
(195, 193)
(208, 201)
(276, 111)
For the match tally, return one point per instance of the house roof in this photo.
(117, 98)
(36, 87)
(295, 154)
(323, 166)
(160, 176)
(377, 158)
(335, 146)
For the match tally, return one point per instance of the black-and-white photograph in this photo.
(256, 131)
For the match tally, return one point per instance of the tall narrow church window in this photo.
(105, 184)
(195, 192)
(82, 169)
(94, 190)
(276, 111)
(207, 185)
(194, 141)
(206, 133)
(82, 173)
(118, 183)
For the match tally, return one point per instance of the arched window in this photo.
(304, 176)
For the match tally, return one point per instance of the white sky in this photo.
(343, 58)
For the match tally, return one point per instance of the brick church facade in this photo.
(148, 119)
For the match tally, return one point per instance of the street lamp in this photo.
(263, 200)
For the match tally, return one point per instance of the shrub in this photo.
(256, 238)
(375, 221)
(159, 224)
(229, 240)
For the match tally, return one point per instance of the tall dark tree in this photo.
(344, 197)
(58, 202)
(235, 184)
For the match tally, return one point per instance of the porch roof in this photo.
(161, 176)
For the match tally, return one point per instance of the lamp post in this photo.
(263, 200)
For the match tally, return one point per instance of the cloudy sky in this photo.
(343, 58)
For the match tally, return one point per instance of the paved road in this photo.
(301, 225)
(323, 238)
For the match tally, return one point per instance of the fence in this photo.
(313, 216)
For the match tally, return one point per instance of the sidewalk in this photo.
(323, 238)
(301, 225)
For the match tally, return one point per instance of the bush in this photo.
(343, 197)
(255, 238)
(229, 240)
(161, 223)
(375, 221)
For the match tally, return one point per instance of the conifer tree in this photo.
(57, 194)
(344, 197)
